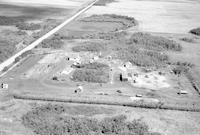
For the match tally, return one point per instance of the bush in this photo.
(28, 26)
(49, 120)
(195, 31)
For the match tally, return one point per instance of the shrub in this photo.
(28, 26)
(49, 120)
(195, 31)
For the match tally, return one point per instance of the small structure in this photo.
(123, 77)
(128, 65)
(95, 58)
(138, 95)
(182, 92)
(4, 86)
(79, 89)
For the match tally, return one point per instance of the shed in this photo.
(4, 86)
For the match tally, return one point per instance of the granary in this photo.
(123, 77)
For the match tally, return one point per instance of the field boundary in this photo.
(11, 60)
(104, 102)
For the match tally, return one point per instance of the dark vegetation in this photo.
(92, 72)
(19, 22)
(23, 55)
(154, 42)
(12, 20)
(6, 50)
(126, 21)
(181, 68)
(49, 120)
(146, 50)
(28, 26)
(186, 39)
(195, 31)
(141, 49)
(89, 46)
(103, 2)
(54, 42)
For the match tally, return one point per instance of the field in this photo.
(138, 77)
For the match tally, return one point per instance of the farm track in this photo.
(11, 60)
(103, 102)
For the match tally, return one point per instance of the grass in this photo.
(49, 120)
(92, 72)
(195, 31)
(89, 47)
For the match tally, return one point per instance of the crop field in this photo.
(105, 73)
